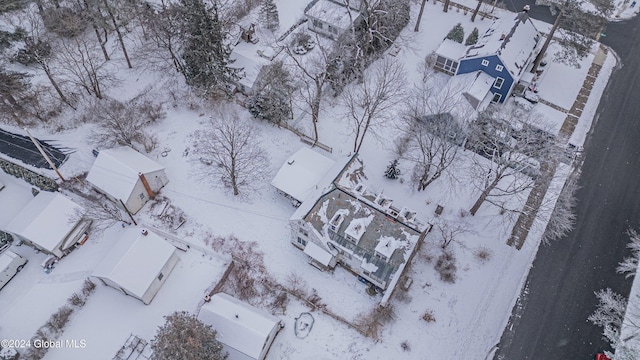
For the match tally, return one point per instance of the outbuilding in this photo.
(245, 332)
(124, 175)
(301, 174)
(138, 264)
(50, 222)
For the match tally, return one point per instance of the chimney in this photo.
(526, 8)
(146, 185)
(145, 232)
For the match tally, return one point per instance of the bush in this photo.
(59, 319)
(483, 254)
(428, 316)
(446, 267)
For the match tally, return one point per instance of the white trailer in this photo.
(10, 264)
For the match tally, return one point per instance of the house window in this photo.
(499, 67)
(317, 24)
(485, 62)
(333, 30)
(498, 83)
(303, 232)
(160, 276)
(447, 65)
(141, 196)
(301, 241)
(496, 98)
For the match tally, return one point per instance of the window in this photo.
(499, 67)
(496, 98)
(303, 232)
(301, 241)
(160, 276)
(485, 62)
(498, 83)
(141, 196)
(317, 24)
(446, 65)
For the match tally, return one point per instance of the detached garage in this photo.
(245, 332)
(123, 174)
(138, 264)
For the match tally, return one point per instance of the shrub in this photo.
(456, 33)
(446, 267)
(428, 316)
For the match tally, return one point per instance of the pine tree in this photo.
(472, 38)
(456, 34)
(272, 97)
(206, 56)
(269, 15)
(185, 337)
(392, 171)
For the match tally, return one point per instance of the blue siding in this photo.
(472, 65)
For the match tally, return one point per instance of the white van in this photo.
(10, 264)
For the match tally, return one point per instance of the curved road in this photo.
(551, 319)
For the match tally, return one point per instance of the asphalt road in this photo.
(22, 148)
(551, 320)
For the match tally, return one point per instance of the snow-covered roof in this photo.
(135, 260)
(387, 245)
(451, 49)
(245, 56)
(318, 253)
(47, 219)
(115, 171)
(301, 173)
(239, 325)
(514, 40)
(6, 258)
(357, 227)
(479, 84)
(332, 13)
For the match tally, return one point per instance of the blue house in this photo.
(504, 52)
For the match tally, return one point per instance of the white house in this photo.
(138, 264)
(331, 18)
(123, 174)
(50, 222)
(301, 174)
(245, 331)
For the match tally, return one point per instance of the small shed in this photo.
(138, 264)
(245, 332)
(301, 173)
(50, 222)
(123, 174)
(332, 18)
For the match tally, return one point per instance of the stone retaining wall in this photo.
(33, 178)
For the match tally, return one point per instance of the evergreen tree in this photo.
(392, 171)
(185, 337)
(472, 38)
(269, 15)
(271, 99)
(206, 56)
(456, 34)
(16, 97)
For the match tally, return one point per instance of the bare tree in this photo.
(431, 135)
(369, 104)
(81, 60)
(183, 336)
(119, 13)
(613, 313)
(450, 230)
(629, 266)
(228, 148)
(124, 123)
(313, 74)
(38, 49)
(164, 38)
(563, 216)
(102, 212)
(511, 153)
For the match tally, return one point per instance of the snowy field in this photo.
(468, 316)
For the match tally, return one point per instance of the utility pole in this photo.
(46, 157)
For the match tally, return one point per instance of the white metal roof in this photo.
(332, 13)
(47, 219)
(318, 253)
(115, 171)
(239, 325)
(6, 258)
(301, 173)
(451, 49)
(135, 260)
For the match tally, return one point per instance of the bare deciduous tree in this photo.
(511, 153)
(613, 313)
(124, 123)
(85, 68)
(164, 39)
(629, 266)
(229, 149)
(370, 103)
(563, 216)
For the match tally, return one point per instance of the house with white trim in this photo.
(51, 223)
(138, 264)
(123, 174)
(245, 331)
(504, 53)
(331, 18)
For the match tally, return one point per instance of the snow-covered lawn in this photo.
(469, 314)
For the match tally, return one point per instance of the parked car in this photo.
(10, 264)
(602, 356)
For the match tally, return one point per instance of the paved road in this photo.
(22, 148)
(550, 323)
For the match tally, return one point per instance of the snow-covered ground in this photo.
(469, 315)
